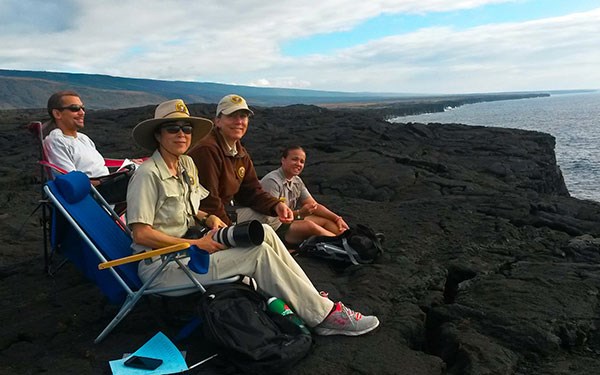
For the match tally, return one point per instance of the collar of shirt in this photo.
(232, 149)
(236, 151)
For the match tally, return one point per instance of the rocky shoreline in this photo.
(490, 267)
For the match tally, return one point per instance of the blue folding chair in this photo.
(94, 238)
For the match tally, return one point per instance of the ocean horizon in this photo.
(572, 119)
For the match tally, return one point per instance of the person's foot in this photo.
(343, 321)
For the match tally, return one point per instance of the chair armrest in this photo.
(119, 164)
(113, 163)
(144, 255)
(47, 164)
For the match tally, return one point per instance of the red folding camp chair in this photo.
(48, 172)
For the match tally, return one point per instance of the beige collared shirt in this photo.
(168, 203)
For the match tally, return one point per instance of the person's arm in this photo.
(284, 213)
(145, 235)
(311, 207)
(282, 209)
(305, 200)
(142, 194)
(271, 186)
(58, 153)
(251, 194)
(211, 221)
(209, 164)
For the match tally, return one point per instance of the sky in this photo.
(382, 46)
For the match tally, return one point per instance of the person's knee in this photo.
(266, 254)
(268, 230)
(315, 229)
(312, 225)
(300, 230)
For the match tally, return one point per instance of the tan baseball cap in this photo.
(231, 103)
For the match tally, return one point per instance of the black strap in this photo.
(188, 182)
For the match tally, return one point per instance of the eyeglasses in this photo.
(175, 127)
(73, 108)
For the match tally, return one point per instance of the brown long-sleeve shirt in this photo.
(229, 178)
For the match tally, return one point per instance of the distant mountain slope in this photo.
(21, 89)
(31, 89)
(27, 92)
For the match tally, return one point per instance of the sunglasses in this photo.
(73, 108)
(174, 128)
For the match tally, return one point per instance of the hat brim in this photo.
(143, 133)
(229, 111)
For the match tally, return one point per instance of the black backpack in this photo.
(236, 321)
(357, 245)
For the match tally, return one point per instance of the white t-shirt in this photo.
(74, 153)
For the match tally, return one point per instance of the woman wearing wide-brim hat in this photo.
(166, 194)
(163, 199)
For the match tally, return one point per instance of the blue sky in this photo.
(392, 24)
(403, 46)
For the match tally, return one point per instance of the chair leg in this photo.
(49, 250)
(129, 303)
(125, 309)
(46, 239)
(53, 270)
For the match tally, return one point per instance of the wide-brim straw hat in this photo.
(169, 111)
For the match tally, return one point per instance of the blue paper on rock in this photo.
(160, 347)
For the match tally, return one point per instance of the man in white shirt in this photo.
(69, 149)
(65, 146)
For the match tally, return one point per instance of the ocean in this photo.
(573, 119)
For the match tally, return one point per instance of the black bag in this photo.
(113, 187)
(357, 245)
(236, 320)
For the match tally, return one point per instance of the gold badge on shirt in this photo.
(241, 172)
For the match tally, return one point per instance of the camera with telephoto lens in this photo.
(245, 234)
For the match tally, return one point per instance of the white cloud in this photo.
(239, 42)
(504, 57)
(281, 82)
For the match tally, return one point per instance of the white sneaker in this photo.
(343, 321)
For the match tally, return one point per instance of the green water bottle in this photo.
(278, 306)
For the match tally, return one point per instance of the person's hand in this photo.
(284, 213)
(215, 222)
(308, 209)
(208, 244)
(341, 224)
(137, 161)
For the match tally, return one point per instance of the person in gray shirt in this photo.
(310, 217)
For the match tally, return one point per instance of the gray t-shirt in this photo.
(293, 191)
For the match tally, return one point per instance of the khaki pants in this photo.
(275, 270)
(246, 213)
